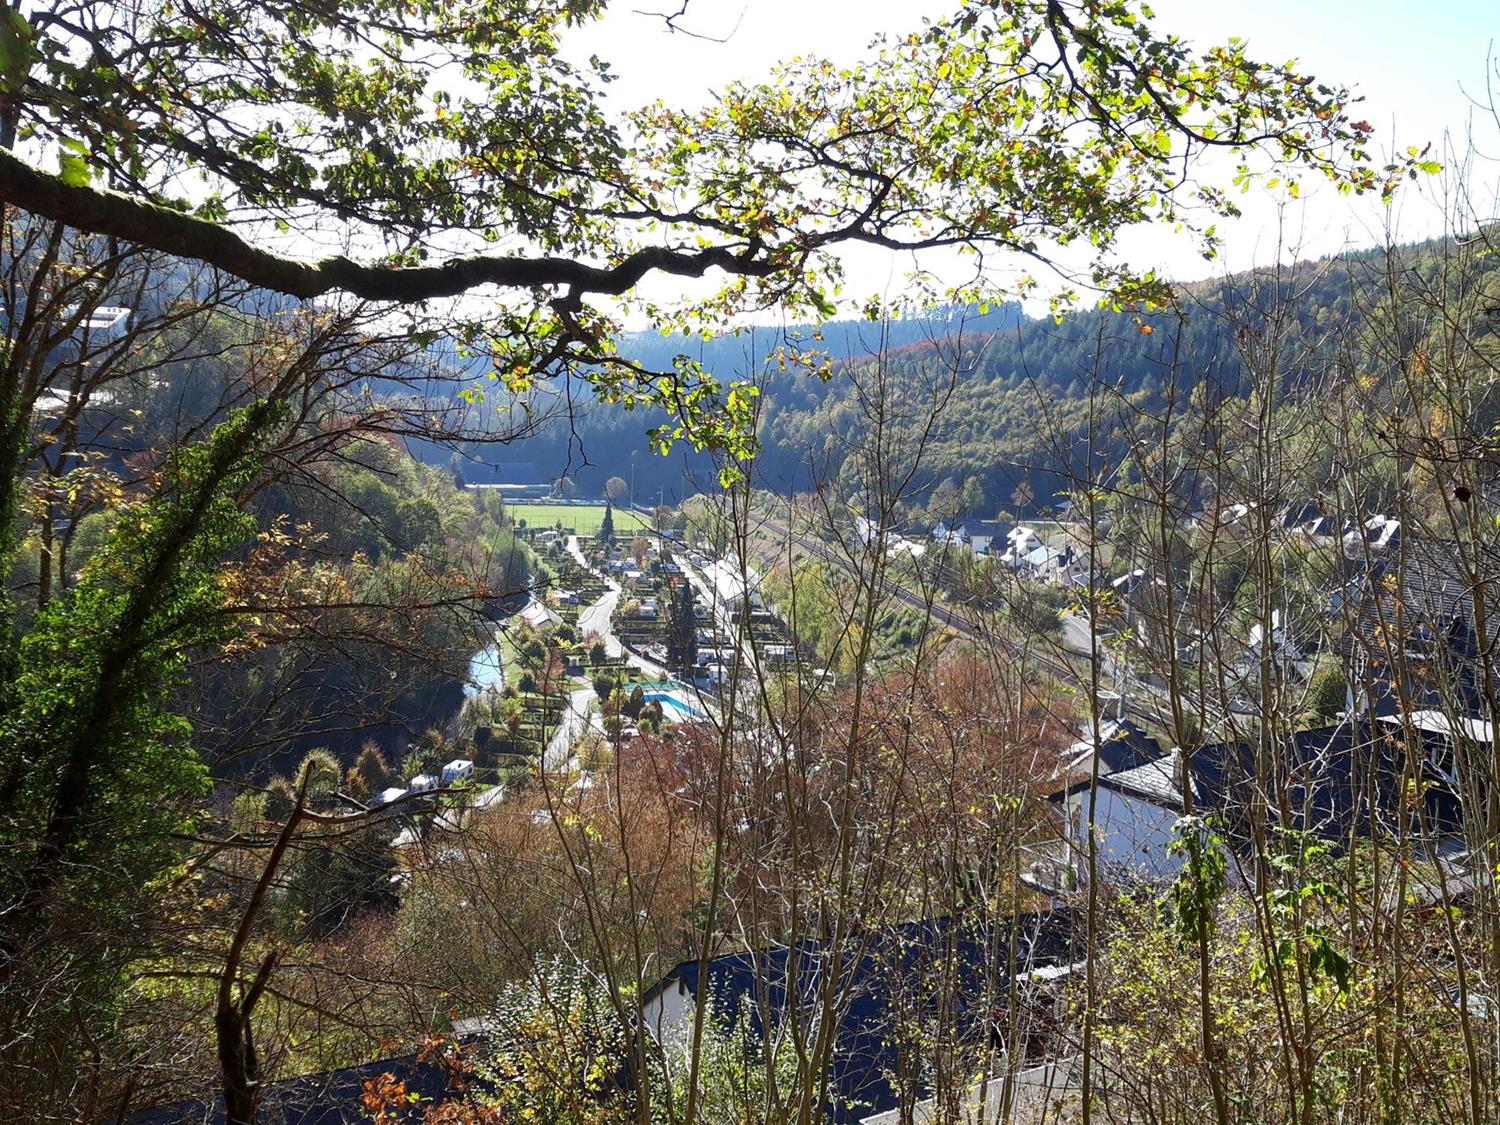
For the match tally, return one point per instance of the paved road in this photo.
(574, 721)
(594, 618)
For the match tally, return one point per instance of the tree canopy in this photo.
(1005, 124)
(454, 145)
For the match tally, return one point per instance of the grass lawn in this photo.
(584, 518)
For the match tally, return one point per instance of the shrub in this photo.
(323, 774)
(371, 768)
(281, 798)
(632, 706)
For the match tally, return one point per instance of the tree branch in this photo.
(102, 211)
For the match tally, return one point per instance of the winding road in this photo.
(593, 619)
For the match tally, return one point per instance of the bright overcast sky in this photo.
(1418, 65)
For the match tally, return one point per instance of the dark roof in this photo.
(1415, 606)
(1335, 781)
(331, 1098)
(901, 968)
(995, 529)
(1127, 748)
(1298, 514)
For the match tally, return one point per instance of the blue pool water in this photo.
(674, 703)
(668, 694)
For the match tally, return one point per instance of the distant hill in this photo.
(1015, 386)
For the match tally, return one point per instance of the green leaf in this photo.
(17, 51)
(73, 163)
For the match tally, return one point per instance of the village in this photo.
(638, 632)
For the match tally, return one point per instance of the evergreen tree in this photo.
(682, 629)
(607, 528)
(372, 769)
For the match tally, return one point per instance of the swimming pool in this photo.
(674, 703)
(670, 694)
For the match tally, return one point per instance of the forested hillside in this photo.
(1015, 388)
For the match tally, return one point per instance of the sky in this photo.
(1420, 67)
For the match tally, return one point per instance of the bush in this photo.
(248, 812)
(335, 874)
(604, 686)
(371, 768)
(632, 706)
(281, 798)
(1328, 693)
(323, 774)
(423, 758)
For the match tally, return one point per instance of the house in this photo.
(1019, 540)
(887, 981)
(423, 783)
(1308, 518)
(387, 796)
(900, 545)
(1336, 782)
(980, 536)
(1047, 564)
(984, 536)
(948, 532)
(1376, 534)
(539, 616)
(1410, 628)
(1122, 746)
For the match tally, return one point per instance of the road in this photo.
(595, 618)
(570, 727)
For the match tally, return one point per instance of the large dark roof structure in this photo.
(887, 979)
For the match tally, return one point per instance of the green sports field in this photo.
(583, 518)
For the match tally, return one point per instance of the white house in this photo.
(539, 616)
(1134, 812)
